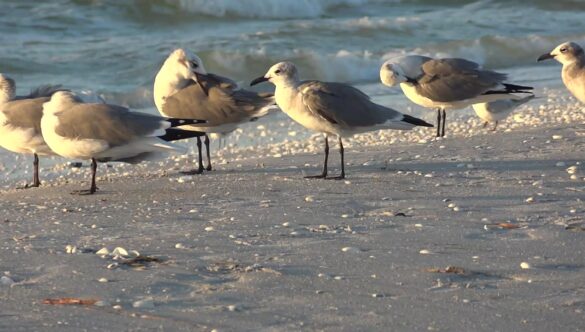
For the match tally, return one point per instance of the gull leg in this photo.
(199, 170)
(36, 181)
(444, 121)
(438, 122)
(341, 152)
(206, 141)
(93, 187)
(495, 126)
(485, 124)
(323, 175)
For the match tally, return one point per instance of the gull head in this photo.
(392, 73)
(61, 100)
(184, 64)
(566, 53)
(279, 73)
(7, 88)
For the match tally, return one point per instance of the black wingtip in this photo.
(415, 121)
(175, 122)
(173, 134)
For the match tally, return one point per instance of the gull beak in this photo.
(198, 77)
(545, 56)
(258, 80)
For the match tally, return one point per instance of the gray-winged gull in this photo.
(331, 108)
(104, 132)
(20, 122)
(572, 57)
(184, 89)
(446, 84)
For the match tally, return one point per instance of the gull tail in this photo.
(174, 134)
(511, 88)
(415, 121)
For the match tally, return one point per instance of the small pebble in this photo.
(572, 170)
(352, 250)
(338, 278)
(377, 295)
(70, 249)
(309, 199)
(424, 252)
(557, 137)
(525, 266)
(119, 251)
(103, 280)
(232, 307)
(103, 252)
(147, 303)
(179, 246)
(345, 216)
(561, 164)
(529, 200)
(6, 281)
(209, 228)
(286, 224)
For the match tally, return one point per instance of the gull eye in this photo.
(194, 64)
(563, 50)
(277, 71)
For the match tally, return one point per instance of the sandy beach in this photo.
(480, 231)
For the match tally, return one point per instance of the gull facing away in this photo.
(498, 110)
(446, 84)
(184, 89)
(20, 122)
(331, 108)
(104, 132)
(572, 57)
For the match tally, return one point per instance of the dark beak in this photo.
(258, 80)
(545, 56)
(199, 76)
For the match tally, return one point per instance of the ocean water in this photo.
(115, 47)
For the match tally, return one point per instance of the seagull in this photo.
(184, 89)
(105, 132)
(498, 110)
(572, 57)
(20, 122)
(331, 108)
(446, 84)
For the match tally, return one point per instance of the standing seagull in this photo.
(331, 108)
(103, 132)
(183, 89)
(498, 110)
(446, 84)
(20, 122)
(572, 57)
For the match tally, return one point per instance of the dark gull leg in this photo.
(323, 175)
(341, 152)
(444, 121)
(199, 170)
(485, 124)
(206, 141)
(36, 181)
(93, 187)
(495, 126)
(438, 122)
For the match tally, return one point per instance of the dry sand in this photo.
(424, 235)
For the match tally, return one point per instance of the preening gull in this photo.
(104, 132)
(498, 110)
(446, 84)
(184, 89)
(20, 122)
(331, 108)
(572, 57)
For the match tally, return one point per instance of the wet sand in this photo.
(423, 235)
